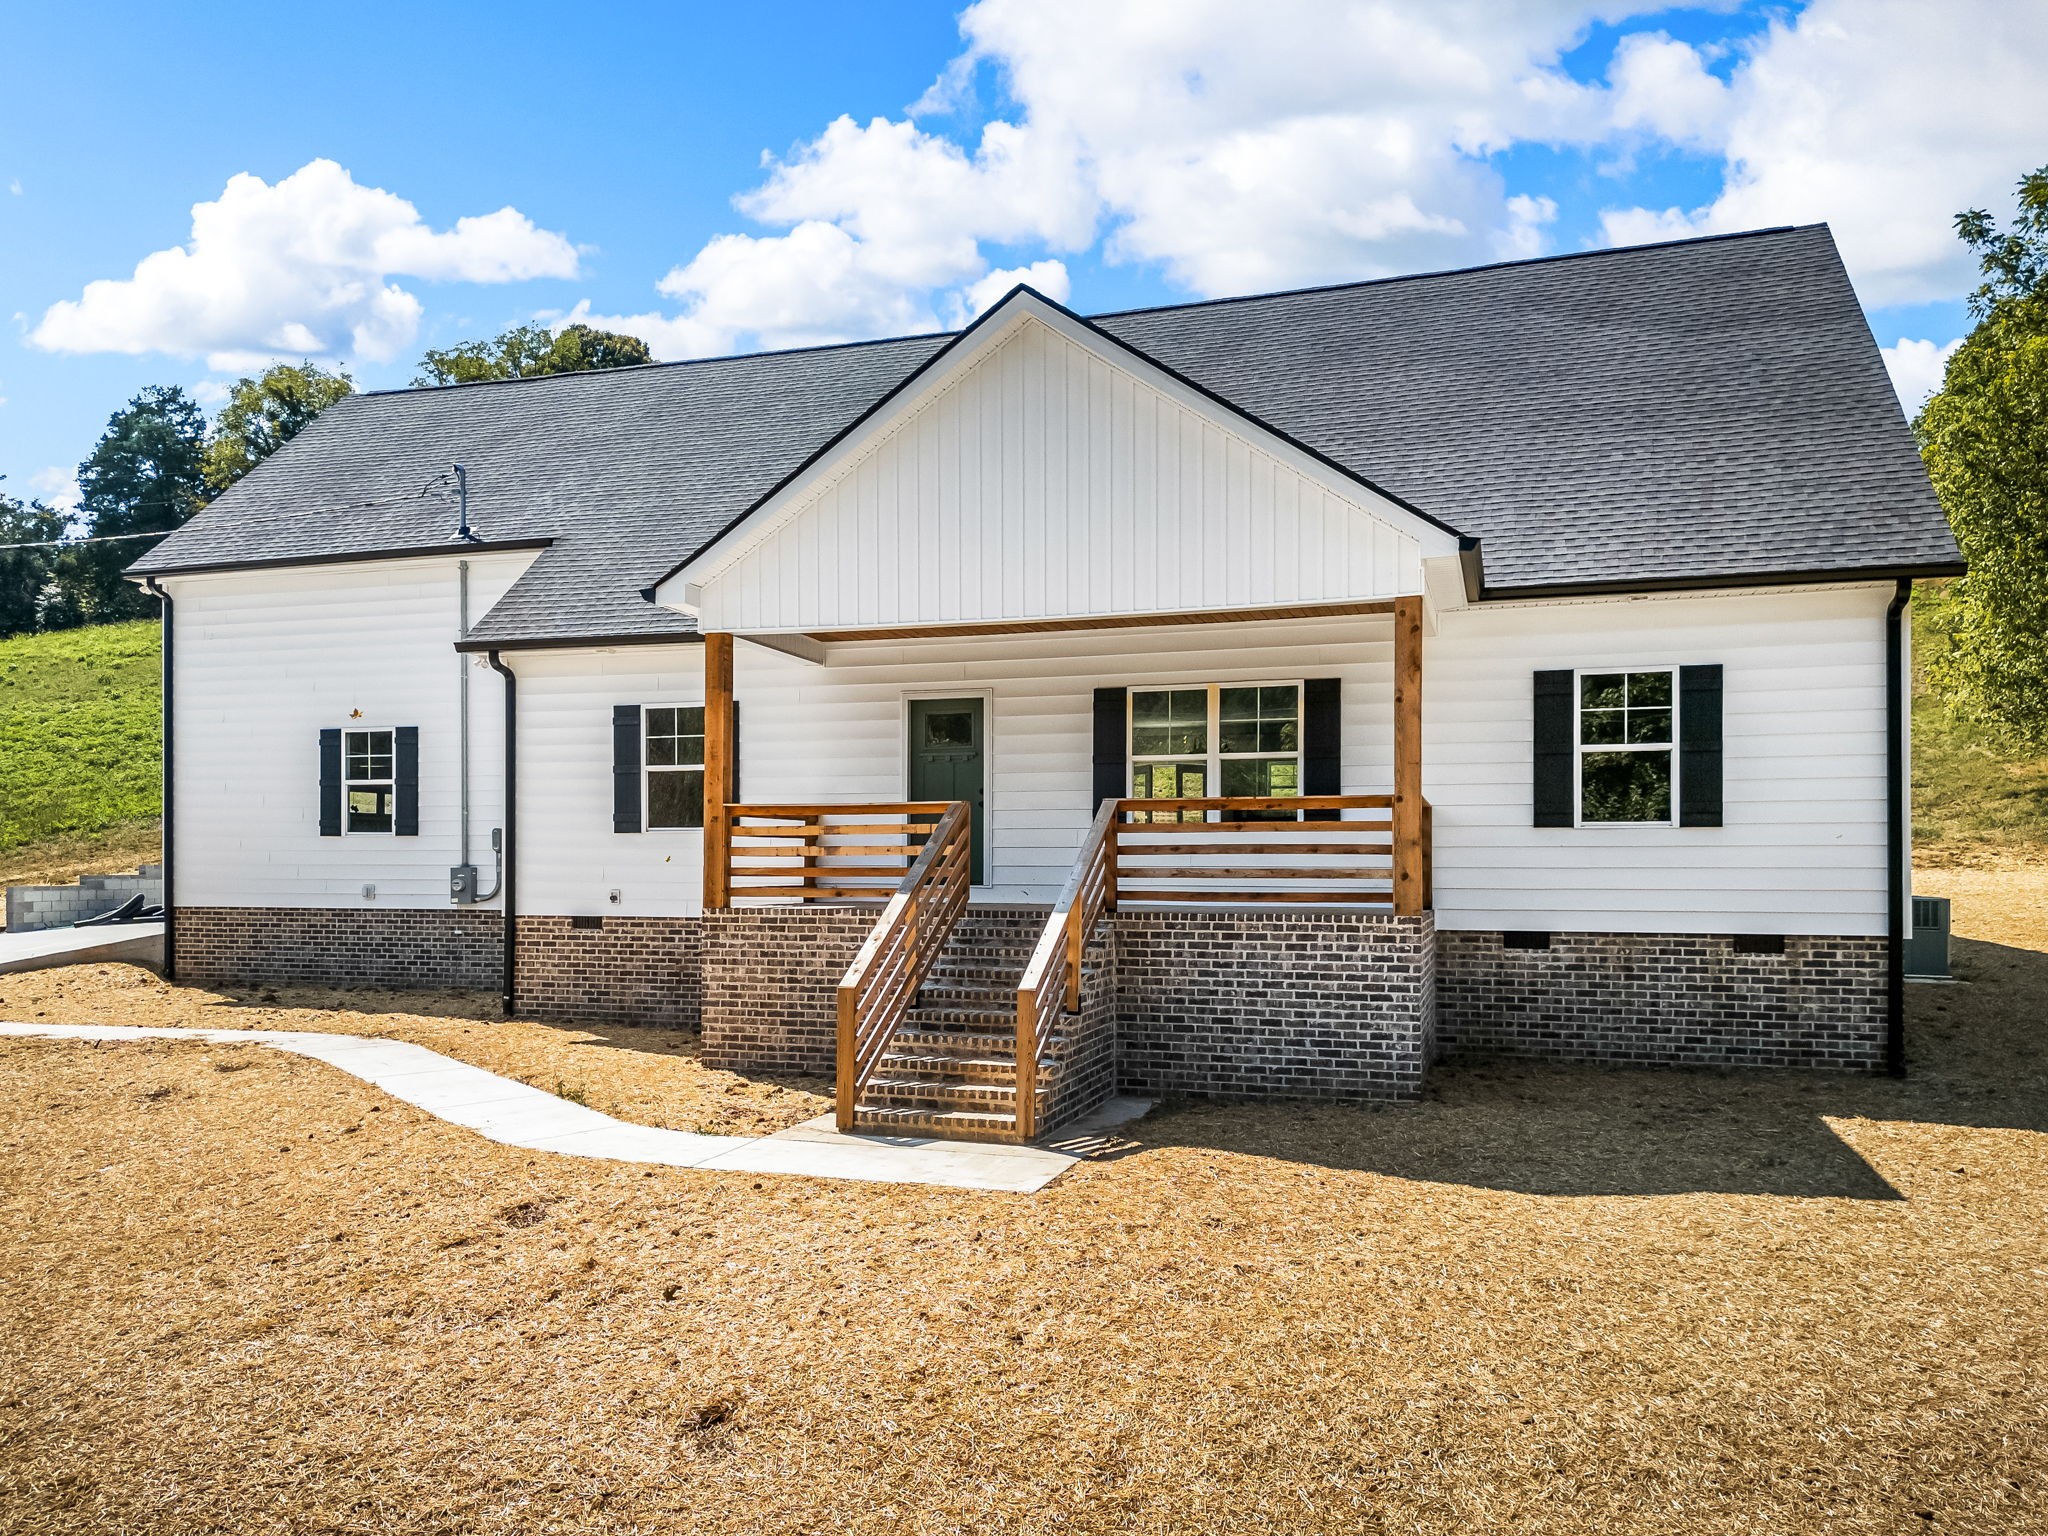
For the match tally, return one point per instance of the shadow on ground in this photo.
(1977, 1056)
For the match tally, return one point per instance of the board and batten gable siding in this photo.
(267, 659)
(1049, 481)
(1802, 847)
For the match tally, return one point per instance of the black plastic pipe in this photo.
(1896, 895)
(510, 962)
(170, 783)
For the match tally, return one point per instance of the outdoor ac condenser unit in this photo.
(1927, 948)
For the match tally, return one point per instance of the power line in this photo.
(98, 538)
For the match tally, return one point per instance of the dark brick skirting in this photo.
(1087, 1049)
(1665, 999)
(629, 970)
(771, 985)
(1250, 1005)
(397, 947)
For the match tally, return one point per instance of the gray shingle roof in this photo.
(1664, 414)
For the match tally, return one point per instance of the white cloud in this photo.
(1048, 277)
(55, 487)
(1916, 368)
(302, 268)
(1882, 117)
(1330, 140)
(1665, 88)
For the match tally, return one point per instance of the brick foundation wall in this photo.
(1665, 1000)
(396, 947)
(1087, 1053)
(628, 970)
(1252, 1005)
(771, 985)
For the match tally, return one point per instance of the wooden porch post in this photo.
(718, 776)
(1409, 878)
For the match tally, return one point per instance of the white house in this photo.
(813, 694)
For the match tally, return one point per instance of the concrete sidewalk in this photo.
(521, 1116)
(142, 943)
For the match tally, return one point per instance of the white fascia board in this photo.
(682, 589)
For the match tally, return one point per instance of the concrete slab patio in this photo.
(518, 1115)
(142, 943)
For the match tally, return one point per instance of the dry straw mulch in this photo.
(245, 1293)
(648, 1076)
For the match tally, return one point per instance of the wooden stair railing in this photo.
(811, 853)
(882, 982)
(1052, 978)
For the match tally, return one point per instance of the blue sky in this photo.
(722, 178)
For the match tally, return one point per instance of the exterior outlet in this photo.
(369, 893)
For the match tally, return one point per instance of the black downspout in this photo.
(170, 780)
(511, 911)
(1896, 895)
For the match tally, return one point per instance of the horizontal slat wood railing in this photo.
(1052, 977)
(825, 852)
(1329, 850)
(882, 982)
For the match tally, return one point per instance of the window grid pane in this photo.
(1626, 735)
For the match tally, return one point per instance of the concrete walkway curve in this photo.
(521, 1116)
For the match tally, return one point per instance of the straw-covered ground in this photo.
(648, 1076)
(246, 1293)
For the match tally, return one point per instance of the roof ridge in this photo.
(1484, 266)
(1110, 314)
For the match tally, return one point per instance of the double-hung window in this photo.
(675, 766)
(369, 783)
(1219, 739)
(1626, 758)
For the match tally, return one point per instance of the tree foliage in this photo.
(145, 476)
(264, 413)
(25, 573)
(1984, 437)
(528, 350)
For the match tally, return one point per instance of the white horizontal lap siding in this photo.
(1803, 845)
(570, 859)
(265, 661)
(838, 733)
(1047, 482)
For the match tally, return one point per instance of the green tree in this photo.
(25, 573)
(1984, 437)
(527, 350)
(265, 413)
(145, 475)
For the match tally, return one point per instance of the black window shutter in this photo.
(405, 820)
(734, 739)
(625, 767)
(1322, 742)
(1112, 712)
(1553, 744)
(1699, 746)
(330, 783)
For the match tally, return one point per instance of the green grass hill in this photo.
(80, 733)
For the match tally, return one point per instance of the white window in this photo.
(675, 765)
(1627, 767)
(1234, 739)
(369, 788)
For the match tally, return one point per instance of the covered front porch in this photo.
(1275, 944)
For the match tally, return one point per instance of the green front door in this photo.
(946, 761)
